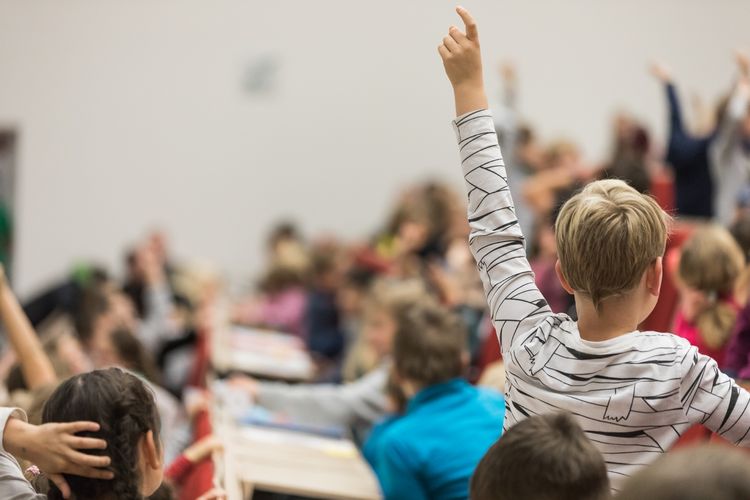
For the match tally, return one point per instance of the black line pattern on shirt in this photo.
(633, 396)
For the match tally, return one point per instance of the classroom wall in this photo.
(162, 113)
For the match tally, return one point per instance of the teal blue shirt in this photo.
(431, 451)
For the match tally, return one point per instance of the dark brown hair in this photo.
(429, 344)
(93, 304)
(712, 471)
(545, 457)
(125, 409)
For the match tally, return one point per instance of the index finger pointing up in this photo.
(471, 25)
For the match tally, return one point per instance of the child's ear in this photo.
(654, 275)
(151, 451)
(563, 281)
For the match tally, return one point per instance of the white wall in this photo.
(132, 113)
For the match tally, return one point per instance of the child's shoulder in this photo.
(492, 400)
(489, 394)
(661, 339)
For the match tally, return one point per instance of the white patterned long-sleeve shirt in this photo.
(633, 395)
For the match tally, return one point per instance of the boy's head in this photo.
(429, 345)
(545, 457)
(714, 471)
(383, 306)
(608, 236)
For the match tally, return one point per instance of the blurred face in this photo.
(746, 125)
(123, 311)
(70, 351)
(349, 300)
(413, 235)
(547, 242)
(532, 155)
(379, 329)
(101, 349)
(623, 126)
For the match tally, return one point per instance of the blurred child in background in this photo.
(710, 265)
(430, 451)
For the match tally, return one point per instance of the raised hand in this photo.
(661, 72)
(743, 62)
(508, 72)
(462, 60)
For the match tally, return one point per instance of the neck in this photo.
(616, 317)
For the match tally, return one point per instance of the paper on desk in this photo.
(334, 447)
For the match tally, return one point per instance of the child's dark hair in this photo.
(93, 304)
(429, 344)
(134, 356)
(713, 471)
(545, 457)
(125, 409)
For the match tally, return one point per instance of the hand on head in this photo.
(56, 450)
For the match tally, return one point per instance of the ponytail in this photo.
(715, 324)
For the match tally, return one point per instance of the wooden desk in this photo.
(292, 463)
(264, 354)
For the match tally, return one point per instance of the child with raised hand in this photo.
(633, 393)
(689, 156)
(710, 265)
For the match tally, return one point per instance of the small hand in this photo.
(661, 72)
(54, 448)
(245, 383)
(460, 53)
(743, 62)
(462, 60)
(214, 494)
(508, 72)
(203, 448)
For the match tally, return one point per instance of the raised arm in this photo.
(35, 364)
(496, 240)
(676, 123)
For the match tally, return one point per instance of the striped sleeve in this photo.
(711, 398)
(496, 240)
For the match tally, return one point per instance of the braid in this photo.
(125, 410)
(123, 445)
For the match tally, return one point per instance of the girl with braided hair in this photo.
(126, 411)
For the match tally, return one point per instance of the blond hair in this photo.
(711, 262)
(385, 295)
(607, 235)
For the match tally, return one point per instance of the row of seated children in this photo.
(424, 426)
(632, 393)
(315, 289)
(702, 174)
